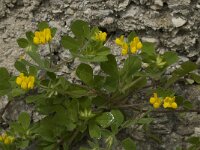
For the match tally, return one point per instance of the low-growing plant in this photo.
(92, 108)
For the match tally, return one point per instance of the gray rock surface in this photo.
(171, 24)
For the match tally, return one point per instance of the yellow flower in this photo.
(42, 37)
(135, 45)
(100, 36)
(26, 82)
(156, 105)
(174, 105)
(4, 138)
(169, 102)
(155, 100)
(120, 41)
(124, 48)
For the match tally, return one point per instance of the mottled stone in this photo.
(178, 22)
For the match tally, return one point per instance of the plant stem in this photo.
(73, 137)
(50, 54)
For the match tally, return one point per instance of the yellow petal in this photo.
(152, 100)
(139, 45)
(133, 50)
(37, 34)
(30, 85)
(42, 37)
(31, 79)
(24, 85)
(120, 41)
(156, 105)
(174, 105)
(21, 74)
(36, 40)
(7, 141)
(1, 138)
(155, 95)
(19, 80)
(165, 105)
(125, 46)
(103, 36)
(124, 51)
(47, 33)
(136, 39)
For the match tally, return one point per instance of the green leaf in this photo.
(94, 131)
(131, 36)
(4, 85)
(189, 66)
(22, 42)
(53, 31)
(194, 140)
(187, 104)
(118, 117)
(36, 98)
(24, 119)
(42, 25)
(163, 92)
(148, 48)
(131, 66)
(36, 57)
(21, 67)
(17, 92)
(33, 71)
(170, 57)
(4, 75)
(70, 43)
(110, 67)
(95, 58)
(76, 91)
(179, 100)
(80, 28)
(136, 84)
(129, 123)
(143, 121)
(17, 128)
(85, 73)
(105, 119)
(195, 77)
(30, 36)
(24, 144)
(99, 81)
(129, 144)
(111, 84)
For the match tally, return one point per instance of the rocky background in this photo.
(172, 24)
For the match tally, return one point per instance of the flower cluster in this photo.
(168, 102)
(42, 37)
(4, 138)
(155, 100)
(100, 36)
(135, 45)
(26, 82)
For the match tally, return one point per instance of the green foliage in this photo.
(22, 42)
(42, 25)
(128, 144)
(82, 45)
(195, 143)
(85, 73)
(92, 106)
